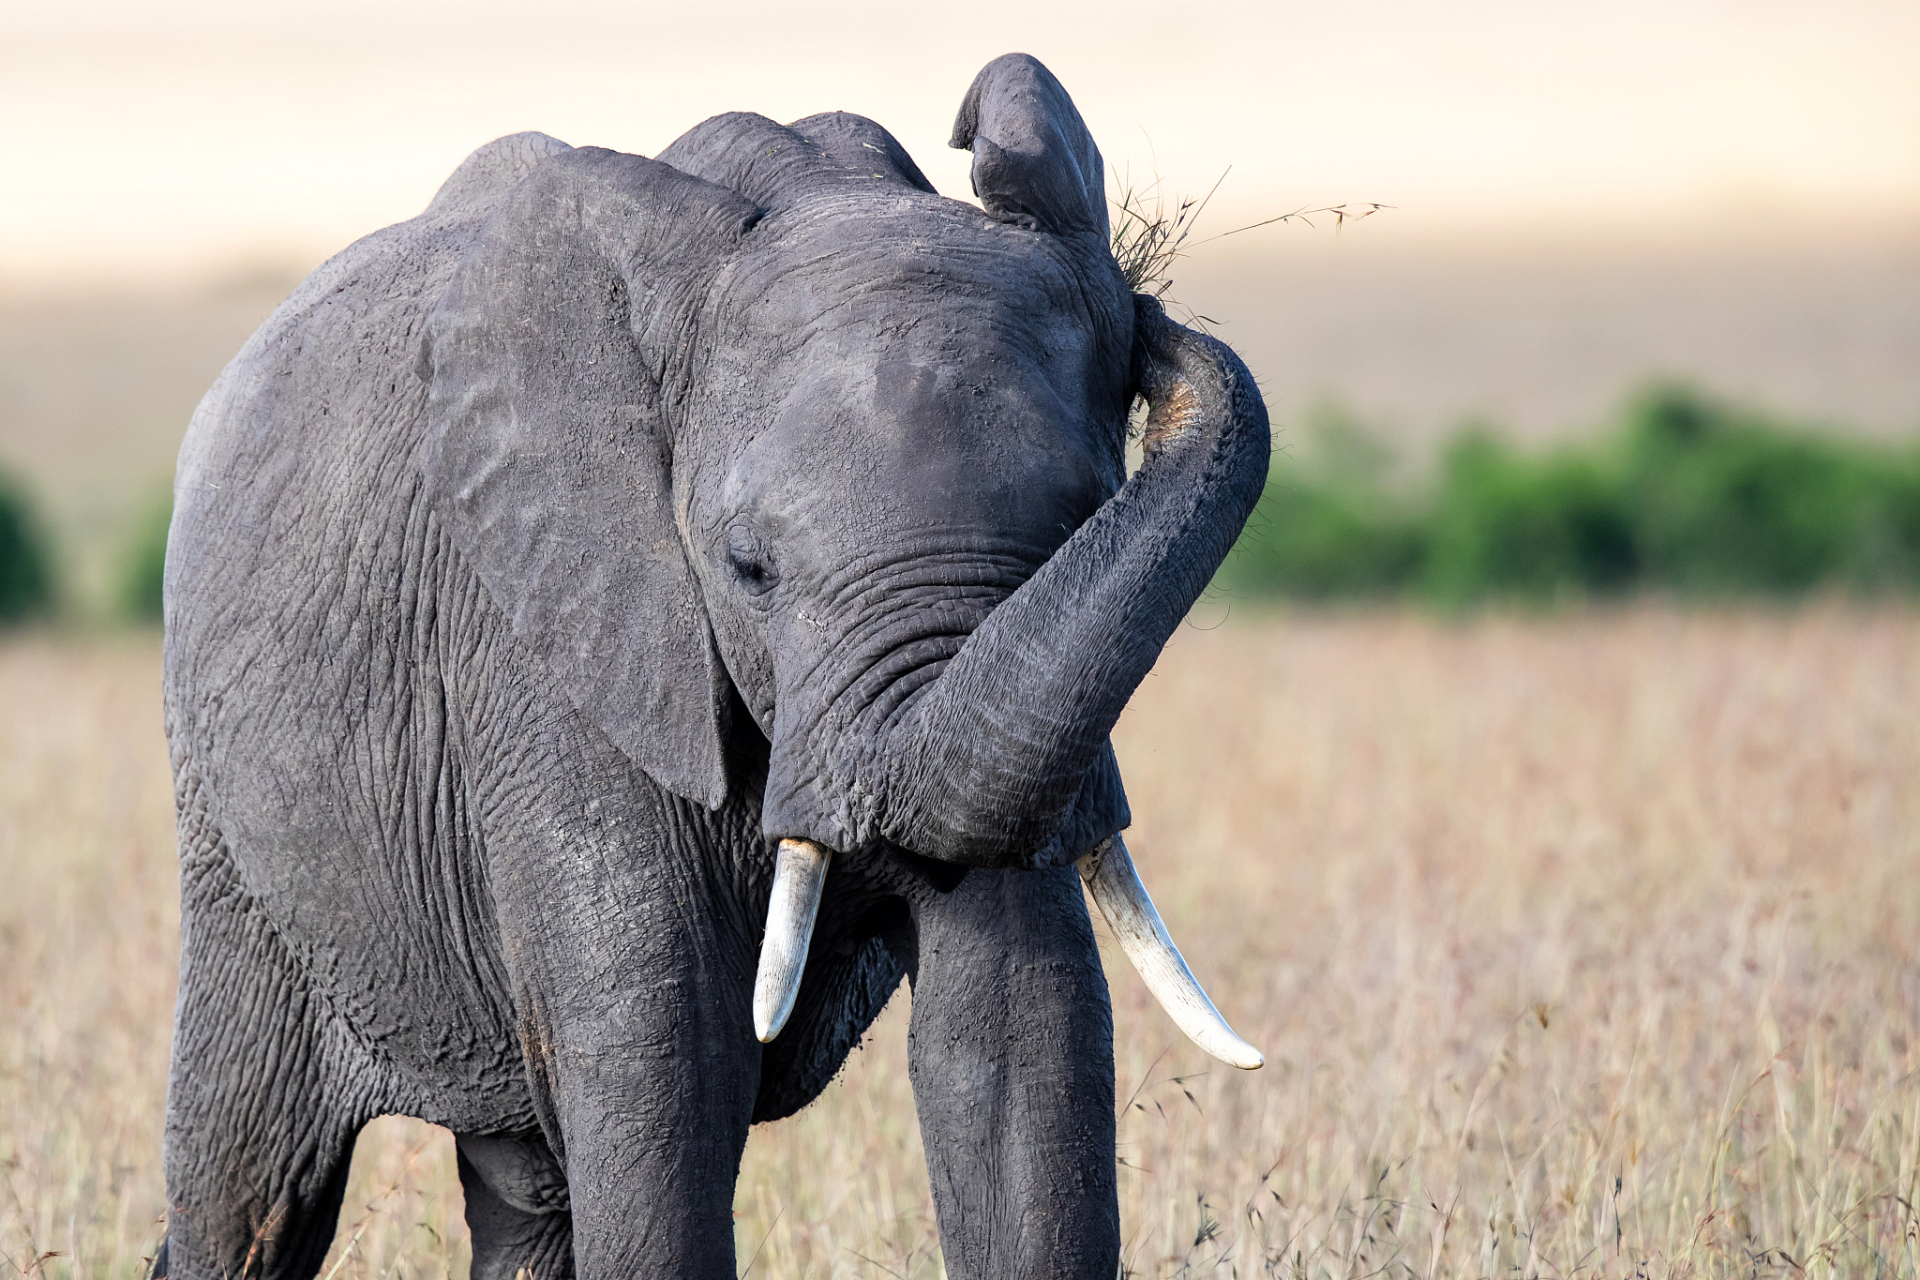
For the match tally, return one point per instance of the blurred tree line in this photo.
(1682, 495)
(30, 579)
(26, 567)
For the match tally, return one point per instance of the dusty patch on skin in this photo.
(1171, 416)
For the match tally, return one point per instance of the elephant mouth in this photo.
(800, 873)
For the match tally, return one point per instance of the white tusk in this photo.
(1116, 888)
(799, 872)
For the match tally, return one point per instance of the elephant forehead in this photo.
(923, 449)
(965, 395)
(926, 369)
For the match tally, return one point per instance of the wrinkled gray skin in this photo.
(547, 557)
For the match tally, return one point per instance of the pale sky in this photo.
(142, 140)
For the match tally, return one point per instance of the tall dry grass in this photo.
(88, 927)
(1577, 946)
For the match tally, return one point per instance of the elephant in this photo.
(621, 622)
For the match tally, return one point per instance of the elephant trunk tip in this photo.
(1177, 412)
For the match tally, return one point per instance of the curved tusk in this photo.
(800, 870)
(1116, 888)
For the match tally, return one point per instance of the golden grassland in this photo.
(1585, 945)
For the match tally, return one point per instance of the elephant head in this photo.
(767, 427)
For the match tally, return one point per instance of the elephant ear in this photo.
(547, 450)
(1034, 163)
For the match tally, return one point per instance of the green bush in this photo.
(143, 563)
(1728, 502)
(1682, 495)
(26, 572)
(1318, 543)
(1535, 528)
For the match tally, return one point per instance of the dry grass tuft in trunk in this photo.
(1148, 240)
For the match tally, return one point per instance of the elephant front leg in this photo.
(653, 1095)
(1012, 1064)
(638, 1036)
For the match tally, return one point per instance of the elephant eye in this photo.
(747, 558)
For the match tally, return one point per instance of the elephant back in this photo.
(777, 165)
(476, 186)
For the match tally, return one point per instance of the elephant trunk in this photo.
(1004, 758)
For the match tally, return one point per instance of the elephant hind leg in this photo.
(517, 1208)
(266, 1095)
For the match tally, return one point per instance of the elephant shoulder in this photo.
(340, 340)
(307, 434)
(337, 359)
(325, 397)
(488, 172)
